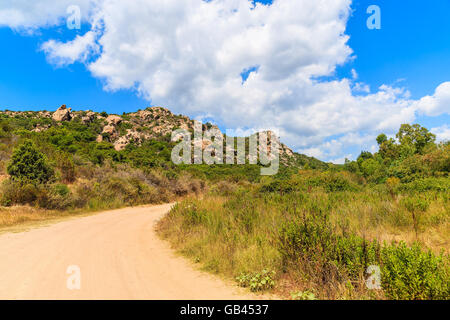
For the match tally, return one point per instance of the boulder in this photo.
(109, 129)
(113, 120)
(62, 114)
(131, 136)
(88, 118)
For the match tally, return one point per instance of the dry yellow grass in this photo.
(22, 218)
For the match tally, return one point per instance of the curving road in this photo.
(111, 255)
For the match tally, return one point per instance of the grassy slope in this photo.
(237, 231)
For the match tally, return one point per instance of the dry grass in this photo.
(22, 218)
(238, 233)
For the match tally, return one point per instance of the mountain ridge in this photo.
(152, 123)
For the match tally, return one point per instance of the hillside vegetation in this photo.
(78, 160)
(315, 234)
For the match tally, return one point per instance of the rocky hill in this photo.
(153, 123)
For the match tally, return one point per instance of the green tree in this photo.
(389, 150)
(381, 138)
(415, 135)
(28, 163)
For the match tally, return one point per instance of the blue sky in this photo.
(412, 50)
(413, 44)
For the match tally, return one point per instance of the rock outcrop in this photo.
(89, 117)
(62, 114)
(136, 127)
(113, 120)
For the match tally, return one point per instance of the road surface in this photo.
(111, 255)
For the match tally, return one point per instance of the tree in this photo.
(389, 150)
(381, 138)
(28, 163)
(415, 135)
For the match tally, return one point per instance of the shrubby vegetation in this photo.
(319, 241)
(411, 156)
(64, 168)
(309, 232)
(319, 230)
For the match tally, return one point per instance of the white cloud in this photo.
(188, 56)
(79, 49)
(442, 133)
(361, 87)
(29, 15)
(436, 104)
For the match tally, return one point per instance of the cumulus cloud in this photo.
(442, 133)
(29, 15)
(189, 56)
(436, 104)
(65, 53)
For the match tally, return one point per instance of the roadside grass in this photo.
(22, 218)
(319, 243)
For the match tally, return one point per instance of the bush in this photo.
(413, 274)
(28, 163)
(333, 182)
(407, 272)
(67, 168)
(337, 257)
(55, 197)
(19, 192)
(258, 281)
(392, 185)
(427, 184)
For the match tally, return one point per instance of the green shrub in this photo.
(19, 192)
(313, 242)
(303, 295)
(427, 184)
(414, 274)
(407, 272)
(28, 163)
(60, 189)
(257, 281)
(55, 197)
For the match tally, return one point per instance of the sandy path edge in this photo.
(118, 255)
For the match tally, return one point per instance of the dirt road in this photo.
(111, 255)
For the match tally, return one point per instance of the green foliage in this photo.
(28, 163)
(67, 168)
(409, 273)
(260, 281)
(313, 237)
(416, 136)
(381, 139)
(313, 242)
(413, 156)
(5, 129)
(427, 184)
(19, 192)
(303, 295)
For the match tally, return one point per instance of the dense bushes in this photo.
(319, 241)
(412, 156)
(410, 273)
(101, 188)
(406, 272)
